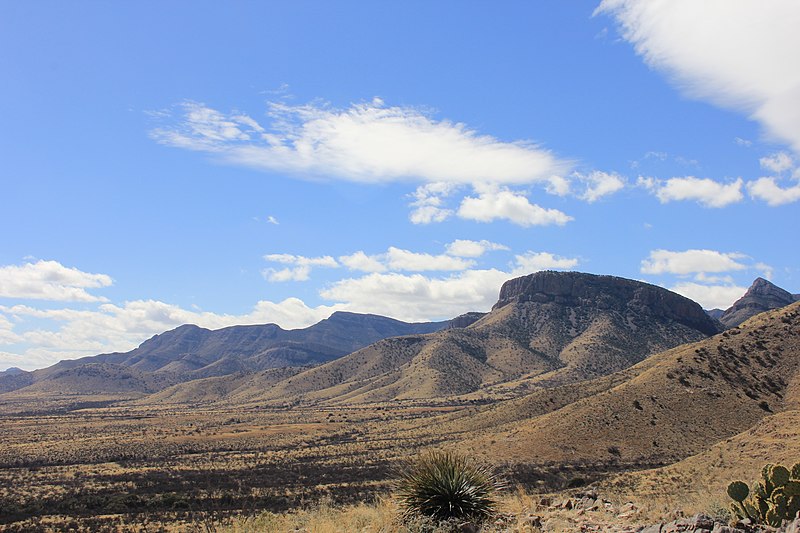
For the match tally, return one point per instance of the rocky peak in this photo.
(761, 296)
(576, 289)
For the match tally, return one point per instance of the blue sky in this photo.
(255, 162)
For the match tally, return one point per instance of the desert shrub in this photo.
(444, 486)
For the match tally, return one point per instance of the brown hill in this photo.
(548, 328)
(668, 407)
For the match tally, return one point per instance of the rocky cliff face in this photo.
(575, 289)
(761, 296)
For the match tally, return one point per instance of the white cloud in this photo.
(710, 296)
(272, 220)
(711, 278)
(363, 262)
(599, 184)
(7, 335)
(468, 248)
(703, 190)
(536, 261)
(735, 53)
(50, 280)
(398, 259)
(558, 185)
(768, 190)
(778, 162)
(691, 261)
(416, 297)
(493, 203)
(404, 260)
(426, 214)
(367, 142)
(428, 201)
(747, 143)
(301, 268)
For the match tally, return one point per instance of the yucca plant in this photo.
(445, 485)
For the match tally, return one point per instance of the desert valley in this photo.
(571, 383)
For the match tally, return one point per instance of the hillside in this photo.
(548, 328)
(670, 406)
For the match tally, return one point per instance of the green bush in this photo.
(770, 501)
(444, 486)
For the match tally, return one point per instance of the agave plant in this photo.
(445, 485)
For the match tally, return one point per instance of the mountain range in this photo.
(547, 330)
(190, 352)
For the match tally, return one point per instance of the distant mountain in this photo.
(190, 352)
(13, 371)
(761, 296)
(716, 314)
(547, 328)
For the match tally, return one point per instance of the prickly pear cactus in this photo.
(770, 501)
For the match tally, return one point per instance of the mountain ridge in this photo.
(190, 352)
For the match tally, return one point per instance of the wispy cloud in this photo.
(367, 142)
(738, 54)
(375, 143)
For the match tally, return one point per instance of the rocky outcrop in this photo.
(761, 296)
(575, 289)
